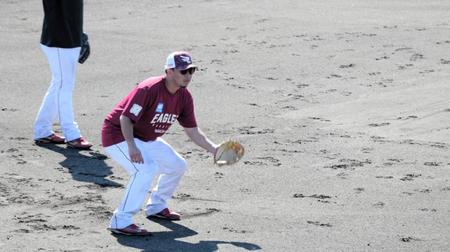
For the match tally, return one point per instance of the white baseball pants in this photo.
(159, 158)
(57, 103)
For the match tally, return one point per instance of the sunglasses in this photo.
(189, 70)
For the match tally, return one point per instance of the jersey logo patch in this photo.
(159, 107)
(135, 109)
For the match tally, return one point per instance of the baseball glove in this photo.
(229, 152)
(85, 49)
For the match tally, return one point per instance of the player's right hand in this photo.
(135, 155)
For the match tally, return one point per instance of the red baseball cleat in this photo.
(79, 143)
(167, 215)
(52, 139)
(130, 230)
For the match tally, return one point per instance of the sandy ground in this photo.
(343, 107)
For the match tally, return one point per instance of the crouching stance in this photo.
(131, 136)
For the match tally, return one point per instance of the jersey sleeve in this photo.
(138, 100)
(187, 115)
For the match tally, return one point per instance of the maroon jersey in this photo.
(152, 109)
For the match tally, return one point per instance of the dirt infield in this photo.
(343, 107)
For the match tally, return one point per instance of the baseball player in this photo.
(61, 42)
(131, 135)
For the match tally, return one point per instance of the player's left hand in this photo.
(228, 152)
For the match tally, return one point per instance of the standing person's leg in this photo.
(68, 59)
(49, 110)
(141, 176)
(172, 167)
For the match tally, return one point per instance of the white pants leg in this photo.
(57, 103)
(172, 167)
(159, 157)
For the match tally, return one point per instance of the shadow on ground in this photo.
(166, 241)
(85, 165)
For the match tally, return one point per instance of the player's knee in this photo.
(180, 165)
